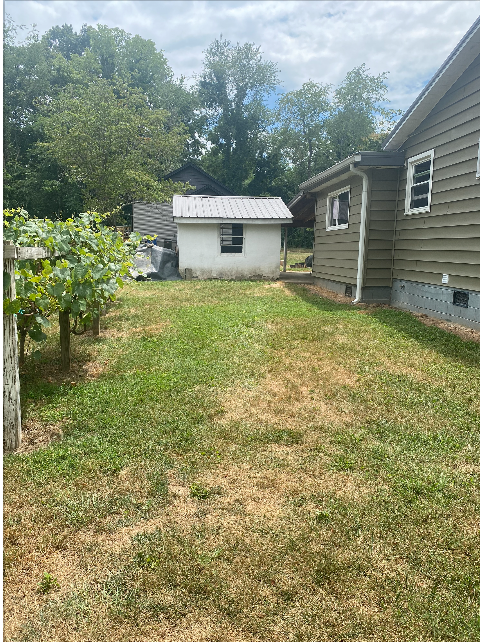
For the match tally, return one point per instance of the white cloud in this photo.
(308, 39)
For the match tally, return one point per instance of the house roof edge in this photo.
(456, 63)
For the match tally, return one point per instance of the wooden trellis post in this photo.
(12, 420)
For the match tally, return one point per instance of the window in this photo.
(419, 183)
(231, 238)
(338, 209)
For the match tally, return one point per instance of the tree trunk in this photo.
(64, 321)
(12, 420)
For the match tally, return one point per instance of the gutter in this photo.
(363, 233)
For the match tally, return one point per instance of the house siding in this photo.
(336, 251)
(445, 240)
(381, 221)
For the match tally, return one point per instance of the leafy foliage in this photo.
(112, 144)
(233, 87)
(85, 271)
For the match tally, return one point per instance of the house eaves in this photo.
(457, 62)
(361, 159)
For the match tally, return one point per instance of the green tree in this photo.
(38, 69)
(232, 88)
(301, 117)
(359, 118)
(112, 144)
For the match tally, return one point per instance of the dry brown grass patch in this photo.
(36, 434)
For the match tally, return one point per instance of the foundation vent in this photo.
(348, 290)
(460, 298)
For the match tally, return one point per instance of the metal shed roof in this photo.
(215, 208)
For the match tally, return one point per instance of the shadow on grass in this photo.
(445, 343)
(405, 324)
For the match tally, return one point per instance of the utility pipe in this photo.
(363, 233)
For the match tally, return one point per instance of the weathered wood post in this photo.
(12, 420)
(285, 249)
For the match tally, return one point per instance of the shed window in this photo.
(231, 238)
(419, 183)
(338, 209)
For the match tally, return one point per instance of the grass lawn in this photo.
(296, 255)
(247, 461)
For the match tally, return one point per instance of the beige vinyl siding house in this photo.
(436, 267)
(413, 238)
(371, 179)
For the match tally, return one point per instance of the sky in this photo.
(309, 40)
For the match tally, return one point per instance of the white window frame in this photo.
(478, 160)
(330, 196)
(415, 160)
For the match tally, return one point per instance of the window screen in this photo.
(231, 238)
(338, 210)
(421, 185)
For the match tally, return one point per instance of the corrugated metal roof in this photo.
(230, 207)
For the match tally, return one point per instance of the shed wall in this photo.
(155, 218)
(445, 240)
(199, 250)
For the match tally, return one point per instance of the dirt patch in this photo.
(328, 294)
(36, 435)
(278, 285)
(148, 331)
(467, 334)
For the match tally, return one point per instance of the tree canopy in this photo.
(96, 118)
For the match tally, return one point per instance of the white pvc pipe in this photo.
(363, 233)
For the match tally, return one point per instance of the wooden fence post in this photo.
(12, 419)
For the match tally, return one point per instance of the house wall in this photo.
(199, 250)
(381, 221)
(335, 254)
(445, 240)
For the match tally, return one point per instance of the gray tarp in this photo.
(156, 263)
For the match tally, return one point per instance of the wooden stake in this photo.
(64, 322)
(12, 419)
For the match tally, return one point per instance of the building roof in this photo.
(213, 208)
(360, 159)
(302, 205)
(205, 179)
(457, 62)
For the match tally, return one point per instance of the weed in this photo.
(48, 583)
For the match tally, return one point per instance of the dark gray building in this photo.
(157, 218)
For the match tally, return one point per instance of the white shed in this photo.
(229, 237)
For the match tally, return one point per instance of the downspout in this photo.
(363, 233)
